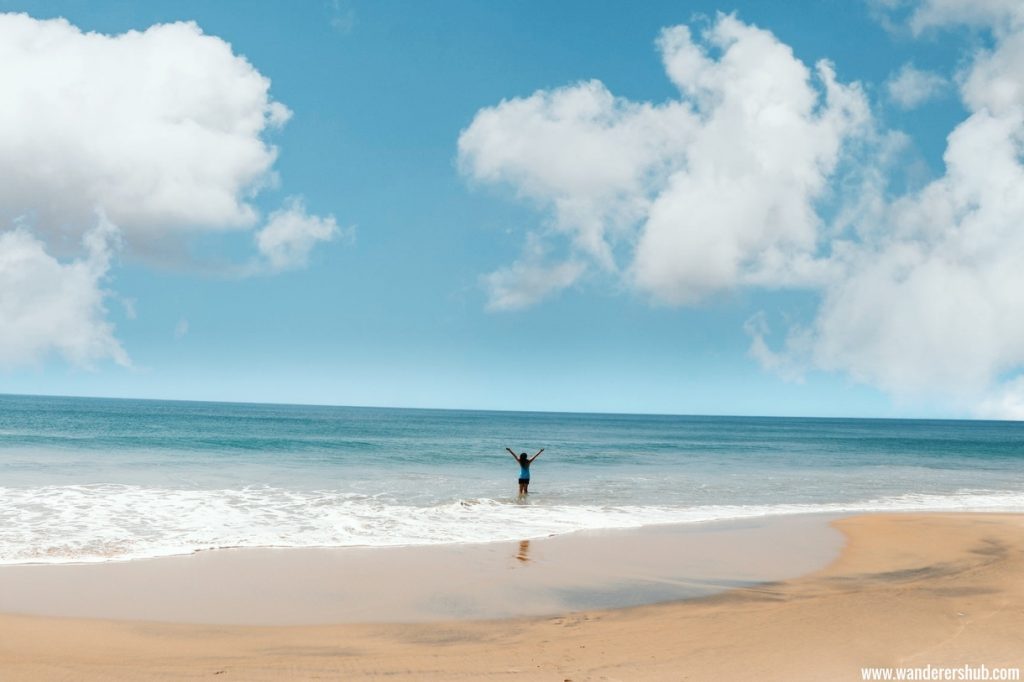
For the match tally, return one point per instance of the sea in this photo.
(90, 479)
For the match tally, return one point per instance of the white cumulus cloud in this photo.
(162, 130)
(910, 87)
(722, 188)
(52, 307)
(580, 152)
(701, 193)
(740, 209)
(291, 233)
(928, 302)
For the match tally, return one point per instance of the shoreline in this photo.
(416, 546)
(836, 511)
(583, 570)
(907, 590)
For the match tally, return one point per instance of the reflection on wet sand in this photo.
(524, 551)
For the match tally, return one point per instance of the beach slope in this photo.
(908, 590)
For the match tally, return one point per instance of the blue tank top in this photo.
(524, 471)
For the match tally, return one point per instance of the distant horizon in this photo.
(506, 411)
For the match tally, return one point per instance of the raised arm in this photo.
(537, 455)
(514, 456)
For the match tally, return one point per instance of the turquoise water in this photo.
(85, 479)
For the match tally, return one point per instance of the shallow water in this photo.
(86, 479)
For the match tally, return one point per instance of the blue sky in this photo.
(393, 308)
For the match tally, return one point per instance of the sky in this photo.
(808, 208)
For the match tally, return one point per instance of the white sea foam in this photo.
(92, 523)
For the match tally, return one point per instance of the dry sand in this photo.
(906, 590)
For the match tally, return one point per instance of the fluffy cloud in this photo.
(928, 301)
(910, 87)
(706, 192)
(49, 307)
(723, 188)
(580, 152)
(740, 209)
(161, 130)
(291, 233)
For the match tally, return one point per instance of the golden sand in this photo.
(907, 590)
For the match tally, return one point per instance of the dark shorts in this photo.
(524, 480)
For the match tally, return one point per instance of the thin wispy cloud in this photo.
(341, 16)
(530, 279)
(911, 87)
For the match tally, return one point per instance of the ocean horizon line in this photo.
(420, 408)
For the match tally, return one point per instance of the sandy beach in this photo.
(474, 341)
(545, 576)
(906, 590)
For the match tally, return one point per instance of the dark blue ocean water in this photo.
(84, 479)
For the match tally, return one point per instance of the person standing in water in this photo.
(524, 470)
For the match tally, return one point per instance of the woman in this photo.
(524, 470)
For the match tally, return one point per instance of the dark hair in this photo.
(522, 457)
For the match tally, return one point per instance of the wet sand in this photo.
(906, 590)
(548, 576)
